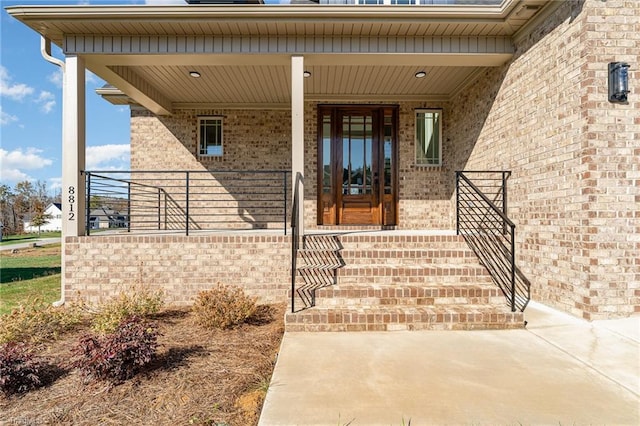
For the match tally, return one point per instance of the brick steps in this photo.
(392, 318)
(374, 282)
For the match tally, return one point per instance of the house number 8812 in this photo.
(72, 201)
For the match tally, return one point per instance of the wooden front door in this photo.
(356, 176)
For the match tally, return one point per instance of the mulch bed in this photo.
(213, 377)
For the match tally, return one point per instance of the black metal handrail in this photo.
(187, 200)
(295, 236)
(484, 224)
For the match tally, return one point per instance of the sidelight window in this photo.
(429, 137)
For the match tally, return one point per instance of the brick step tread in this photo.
(386, 318)
(413, 270)
(407, 252)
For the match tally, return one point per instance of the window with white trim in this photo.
(210, 136)
(428, 137)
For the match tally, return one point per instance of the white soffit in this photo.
(243, 52)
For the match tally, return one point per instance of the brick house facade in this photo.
(543, 115)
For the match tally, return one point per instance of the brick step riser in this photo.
(407, 301)
(352, 246)
(410, 292)
(341, 320)
(425, 280)
(408, 261)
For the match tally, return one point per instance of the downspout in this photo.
(45, 50)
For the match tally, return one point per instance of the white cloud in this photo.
(108, 157)
(47, 101)
(56, 77)
(55, 184)
(13, 163)
(6, 118)
(16, 91)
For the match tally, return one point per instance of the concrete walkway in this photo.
(560, 370)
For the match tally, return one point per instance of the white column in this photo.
(297, 130)
(73, 148)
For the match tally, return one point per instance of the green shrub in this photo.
(38, 321)
(223, 307)
(138, 302)
(20, 371)
(120, 355)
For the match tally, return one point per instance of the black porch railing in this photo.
(184, 201)
(481, 210)
(295, 236)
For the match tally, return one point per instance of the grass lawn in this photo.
(25, 238)
(28, 274)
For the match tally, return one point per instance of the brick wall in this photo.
(574, 191)
(99, 267)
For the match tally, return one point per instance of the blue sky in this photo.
(31, 108)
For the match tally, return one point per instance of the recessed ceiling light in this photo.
(420, 74)
(194, 74)
(306, 74)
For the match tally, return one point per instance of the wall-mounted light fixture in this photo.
(618, 82)
(194, 74)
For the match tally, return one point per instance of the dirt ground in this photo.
(201, 377)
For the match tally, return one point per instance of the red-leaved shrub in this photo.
(120, 355)
(20, 371)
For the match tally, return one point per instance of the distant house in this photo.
(105, 217)
(54, 223)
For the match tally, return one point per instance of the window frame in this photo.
(421, 143)
(199, 136)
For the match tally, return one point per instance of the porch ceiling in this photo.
(353, 52)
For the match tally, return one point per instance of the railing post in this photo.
(504, 200)
(88, 209)
(129, 206)
(159, 207)
(513, 269)
(187, 205)
(458, 203)
(284, 178)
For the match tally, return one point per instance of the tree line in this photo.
(26, 201)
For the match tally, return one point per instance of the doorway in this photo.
(357, 173)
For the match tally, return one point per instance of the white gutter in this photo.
(312, 13)
(45, 50)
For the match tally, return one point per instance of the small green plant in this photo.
(139, 302)
(223, 307)
(37, 321)
(120, 355)
(20, 371)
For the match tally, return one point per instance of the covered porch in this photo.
(356, 112)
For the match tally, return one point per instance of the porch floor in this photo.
(559, 370)
(275, 231)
